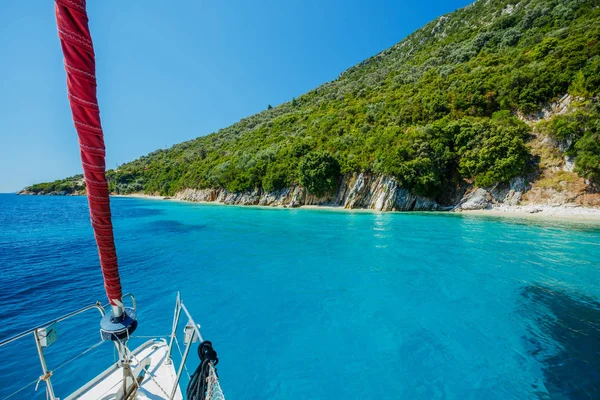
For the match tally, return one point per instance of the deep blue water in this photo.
(317, 304)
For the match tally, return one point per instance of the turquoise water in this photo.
(317, 304)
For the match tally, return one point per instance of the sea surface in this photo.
(315, 304)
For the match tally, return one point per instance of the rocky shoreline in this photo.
(568, 212)
(355, 191)
(362, 191)
(365, 191)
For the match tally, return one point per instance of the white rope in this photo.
(79, 70)
(76, 4)
(91, 103)
(88, 126)
(76, 37)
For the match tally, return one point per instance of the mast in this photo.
(80, 65)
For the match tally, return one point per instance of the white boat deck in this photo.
(157, 383)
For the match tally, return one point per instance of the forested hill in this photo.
(444, 106)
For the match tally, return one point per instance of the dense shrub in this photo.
(319, 172)
(587, 160)
(492, 150)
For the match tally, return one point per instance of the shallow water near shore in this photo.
(314, 303)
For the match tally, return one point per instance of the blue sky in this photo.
(170, 71)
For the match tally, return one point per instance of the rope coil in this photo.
(204, 382)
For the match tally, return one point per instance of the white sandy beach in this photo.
(540, 212)
(564, 212)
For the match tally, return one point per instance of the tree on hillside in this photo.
(319, 172)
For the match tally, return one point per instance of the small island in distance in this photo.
(492, 106)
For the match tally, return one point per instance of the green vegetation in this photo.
(64, 186)
(579, 134)
(587, 162)
(319, 172)
(434, 110)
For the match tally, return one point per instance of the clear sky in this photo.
(170, 71)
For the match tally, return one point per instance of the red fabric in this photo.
(77, 47)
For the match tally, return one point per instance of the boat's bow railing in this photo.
(177, 352)
(45, 334)
(192, 334)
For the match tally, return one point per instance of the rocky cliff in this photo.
(354, 191)
(365, 191)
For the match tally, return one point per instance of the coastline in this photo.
(538, 212)
(542, 212)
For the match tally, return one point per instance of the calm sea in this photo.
(314, 304)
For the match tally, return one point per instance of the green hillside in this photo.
(435, 110)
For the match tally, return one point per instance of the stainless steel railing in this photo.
(192, 331)
(192, 334)
(18, 336)
(47, 373)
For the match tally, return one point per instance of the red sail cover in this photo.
(77, 47)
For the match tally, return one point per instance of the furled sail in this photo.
(80, 65)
